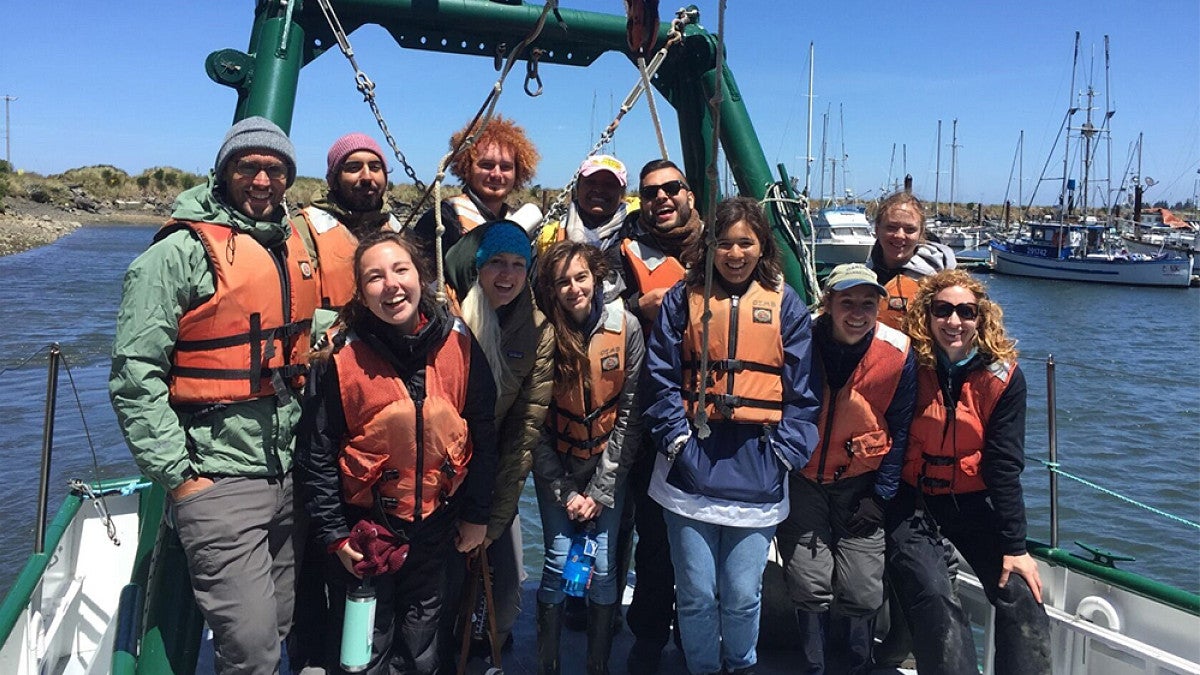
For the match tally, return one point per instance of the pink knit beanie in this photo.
(348, 145)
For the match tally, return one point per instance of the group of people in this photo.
(322, 418)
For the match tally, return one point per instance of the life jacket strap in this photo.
(734, 366)
(591, 416)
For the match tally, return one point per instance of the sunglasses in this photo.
(356, 166)
(967, 311)
(252, 169)
(671, 187)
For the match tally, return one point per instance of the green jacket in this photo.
(252, 438)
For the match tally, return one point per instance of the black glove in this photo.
(867, 518)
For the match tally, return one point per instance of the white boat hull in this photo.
(1170, 272)
(69, 625)
(838, 253)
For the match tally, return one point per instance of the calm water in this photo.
(1128, 400)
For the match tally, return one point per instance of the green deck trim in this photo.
(1135, 583)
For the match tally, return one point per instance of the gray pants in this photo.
(825, 566)
(241, 552)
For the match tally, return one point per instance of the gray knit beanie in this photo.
(257, 133)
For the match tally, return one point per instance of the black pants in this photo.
(408, 604)
(942, 641)
(652, 609)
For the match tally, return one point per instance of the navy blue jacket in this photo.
(738, 462)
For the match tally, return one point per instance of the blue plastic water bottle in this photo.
(577, 573)
(358, 627)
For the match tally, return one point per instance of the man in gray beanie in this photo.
(211, 339)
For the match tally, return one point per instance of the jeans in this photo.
(942, 640)
(557, 532)
(718, 590)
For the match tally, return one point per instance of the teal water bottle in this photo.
(358, 627)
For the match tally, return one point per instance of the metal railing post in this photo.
(39, 533)
(1052, 429)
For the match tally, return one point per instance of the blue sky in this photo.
(123, 83)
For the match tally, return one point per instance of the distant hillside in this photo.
(103, 188)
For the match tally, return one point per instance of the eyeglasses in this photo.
(671, 187)
(252, 169)
(355, 167)
(967, 311)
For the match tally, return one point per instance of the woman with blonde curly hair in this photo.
(962, 480)
(500, 161)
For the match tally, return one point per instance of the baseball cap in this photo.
(604, 163)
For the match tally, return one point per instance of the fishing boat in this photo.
(1075, 246)
(106, 589)
(1082, 252)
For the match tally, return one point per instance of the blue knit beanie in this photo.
(502, 236)
(257, 133)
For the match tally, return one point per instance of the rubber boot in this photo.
(813, 628)
(855, 637)
(549, 632)
(599, 637)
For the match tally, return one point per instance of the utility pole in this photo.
(7, 135)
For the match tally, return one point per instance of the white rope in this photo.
(710, 176)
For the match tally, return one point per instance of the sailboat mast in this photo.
(1021, 167)
(953, 163)
(808, 156)
(824, 140)
(1108, 113)
(937, 172)
(1071, 109)
(842, 133)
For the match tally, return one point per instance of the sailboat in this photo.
(1077, 246)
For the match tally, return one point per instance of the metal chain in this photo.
(98, 503)
(558, 208)
(367, 88)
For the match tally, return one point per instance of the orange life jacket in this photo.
(901, 290)
(745, 355)
(335, 246)
(853, 423)
(251, 336)
(414, 457)
(651, 267)
(583, 417)
(944, 456)
(468, 213)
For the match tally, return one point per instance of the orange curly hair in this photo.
(990, 339)
(505, 133)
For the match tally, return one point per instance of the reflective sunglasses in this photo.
(252, 169)
(671, 187)
(967, 311)
(356, 166)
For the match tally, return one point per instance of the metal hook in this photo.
(531, 72)
(498, 59)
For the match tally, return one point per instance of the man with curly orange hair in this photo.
(501, 160)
